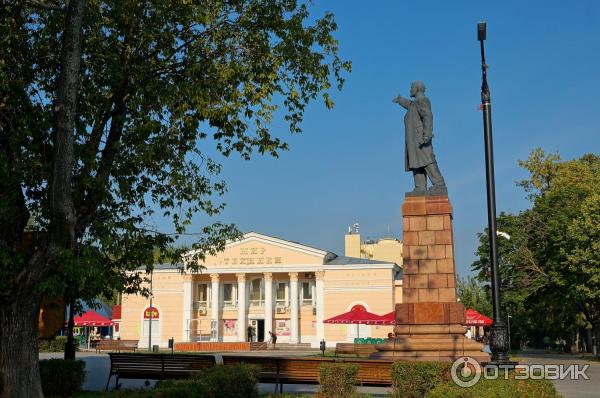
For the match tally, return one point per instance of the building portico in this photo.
(269, 285)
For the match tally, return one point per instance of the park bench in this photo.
(117, 345)
(356, 349)
(156, 366)
(282, 370)
(372, 372)
(287, 370)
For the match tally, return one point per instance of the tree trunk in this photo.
(70, 346)
(19, 358)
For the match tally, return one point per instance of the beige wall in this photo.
(372, 288)
(250, 254)
(386, 249)
(168, 299)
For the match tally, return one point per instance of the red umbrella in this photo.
(387, 319)
(92, 318)
(357, 315)
(474, 318)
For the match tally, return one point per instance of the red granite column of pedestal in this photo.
(428, 250)
(429, 320)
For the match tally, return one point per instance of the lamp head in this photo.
(481, 31)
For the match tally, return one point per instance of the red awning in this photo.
(92, 318)
(357, 315)
(474, 318)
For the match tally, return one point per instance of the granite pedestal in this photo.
(429, 321)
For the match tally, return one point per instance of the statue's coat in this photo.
(418, 132)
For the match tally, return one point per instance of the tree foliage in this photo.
(550, 268)
(159, 83)
(109, 114)
(474, 295)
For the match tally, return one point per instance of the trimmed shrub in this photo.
(237, 381)
(499, 388)
(180, 389)
(56, 344)
(61, 377)
(416, 379)
(338, 380)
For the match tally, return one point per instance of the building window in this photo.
(228, 299)
(307, 294)
(280, 300)
(257, 294)
(202, 295)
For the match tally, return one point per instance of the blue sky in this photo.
(348, 164)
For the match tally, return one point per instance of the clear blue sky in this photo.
(348, 165)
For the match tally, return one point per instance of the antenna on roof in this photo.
(355, 228)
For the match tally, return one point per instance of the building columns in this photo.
(241, 302)
(320, 287)
(214, 307)
(268, 303)
(187, 308)
(294, 307)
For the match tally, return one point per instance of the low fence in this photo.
(213, 346)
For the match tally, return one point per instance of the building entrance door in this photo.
(261, 330)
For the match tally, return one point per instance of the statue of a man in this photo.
(418, 131)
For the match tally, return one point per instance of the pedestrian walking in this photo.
(272, 338)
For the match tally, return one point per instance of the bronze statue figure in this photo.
(418, 130)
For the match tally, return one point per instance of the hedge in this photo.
(415, 379)
(61, 377)
(237, 381)
(338, 380)
(499, 388)
(56, 344)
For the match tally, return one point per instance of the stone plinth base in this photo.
(443, 342)
(429, 320)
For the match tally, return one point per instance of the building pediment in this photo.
(256, 250)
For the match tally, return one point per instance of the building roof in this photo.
(164, 266)
(343, 260)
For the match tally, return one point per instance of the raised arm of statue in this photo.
(424, 108)
(403, 102)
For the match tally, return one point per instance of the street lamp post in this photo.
(499, 332)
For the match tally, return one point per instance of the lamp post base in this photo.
(499, 344)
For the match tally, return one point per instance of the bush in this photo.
(56, 344)
(61, 377)
(416, 379)
(499, 388)
(238, 381)
(338, 380)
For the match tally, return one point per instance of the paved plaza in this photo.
(569, 388)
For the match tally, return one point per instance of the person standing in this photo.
(250, 334)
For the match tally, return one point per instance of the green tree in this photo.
(550, 270)
(474, 295)
(108, 113)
